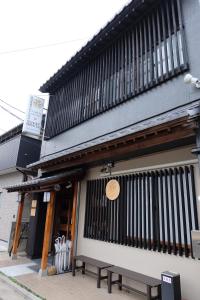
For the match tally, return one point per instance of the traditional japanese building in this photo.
(119, 109)
(16, 151)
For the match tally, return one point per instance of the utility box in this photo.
(171, 286)
(196, 243)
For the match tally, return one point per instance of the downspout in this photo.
(77, 219)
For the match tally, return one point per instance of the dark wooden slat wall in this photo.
(155, 210)
(146, 54)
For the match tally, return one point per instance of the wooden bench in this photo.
(100, 265)
(137, 277)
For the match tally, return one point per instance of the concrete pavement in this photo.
(59, 287)
(11, 291)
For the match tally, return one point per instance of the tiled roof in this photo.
(134, 128)
(118, 23)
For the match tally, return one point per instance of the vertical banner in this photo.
(33, 117)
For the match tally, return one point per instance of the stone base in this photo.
(42, 273)
(13, 256)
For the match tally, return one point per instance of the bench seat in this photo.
(149, 281)
(100, 265)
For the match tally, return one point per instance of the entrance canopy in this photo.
(45, 183)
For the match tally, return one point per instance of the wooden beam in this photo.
(47, 233)
(162, 138)
(18, 227)
(73, 228)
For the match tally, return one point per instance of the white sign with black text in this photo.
(33, 118)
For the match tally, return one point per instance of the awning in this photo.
(45, 183)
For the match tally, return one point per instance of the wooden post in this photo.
(73, 228)
(18, 227)
(47, 232)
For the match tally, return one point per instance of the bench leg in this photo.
(148, 292)
(98, 278)
(159, 292)
(83, 268)
(120, 282)
(109, 282)
(73, 266)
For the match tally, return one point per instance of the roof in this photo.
(11, 133)
(181, 112)
(93, 47)
(40, 184)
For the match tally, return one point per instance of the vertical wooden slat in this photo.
(155, 57)
(125, 78)
(137, 60)
(146, 79)
(183, 211)
(158, 15)
(74, 209)
(151, 68)
(182, 34)
(178, 211)
(47, 232)
(194, 202)
(125, 215)
(134, 73)
(170, 52)
(129, 209)
(18, 227)
(129, 75)
(167, 212)
(87, 210)
(176, 46)
(172, 212)
(141, 58)
(144, 211)
(165, 60)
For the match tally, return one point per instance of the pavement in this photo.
(59, 287)
(9, 290)
(3, 246)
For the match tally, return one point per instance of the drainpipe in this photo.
(77, 219)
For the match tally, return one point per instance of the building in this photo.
(119, 109)
(16, 151)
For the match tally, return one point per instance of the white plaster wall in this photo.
(144, 261)
(8, 204)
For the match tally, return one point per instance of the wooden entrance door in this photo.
(63, 213)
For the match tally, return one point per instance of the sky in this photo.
(36, 23)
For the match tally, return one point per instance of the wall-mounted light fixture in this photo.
(107, 168)
(189, 79)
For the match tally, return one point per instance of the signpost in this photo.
(33, 118)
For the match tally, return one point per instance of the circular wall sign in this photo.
(112, 189)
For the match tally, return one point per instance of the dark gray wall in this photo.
(18, 152)
(9, 153)
(29, 151)
(165, 97)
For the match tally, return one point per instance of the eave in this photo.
(122, 20)
(175, 133)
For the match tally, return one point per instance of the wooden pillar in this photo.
(73, 229)
(18, 227)
(47, 233)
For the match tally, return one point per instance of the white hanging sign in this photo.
(33, 117)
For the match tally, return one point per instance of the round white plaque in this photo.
(112, 189)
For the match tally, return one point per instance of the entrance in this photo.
(63, 213)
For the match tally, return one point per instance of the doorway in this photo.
(63, 212)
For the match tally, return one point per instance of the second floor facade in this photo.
(131, 71)
(17, 150)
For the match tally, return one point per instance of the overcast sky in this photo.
(32, 23)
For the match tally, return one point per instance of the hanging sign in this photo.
(112, 189)
(33, 117)
(47, 197)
